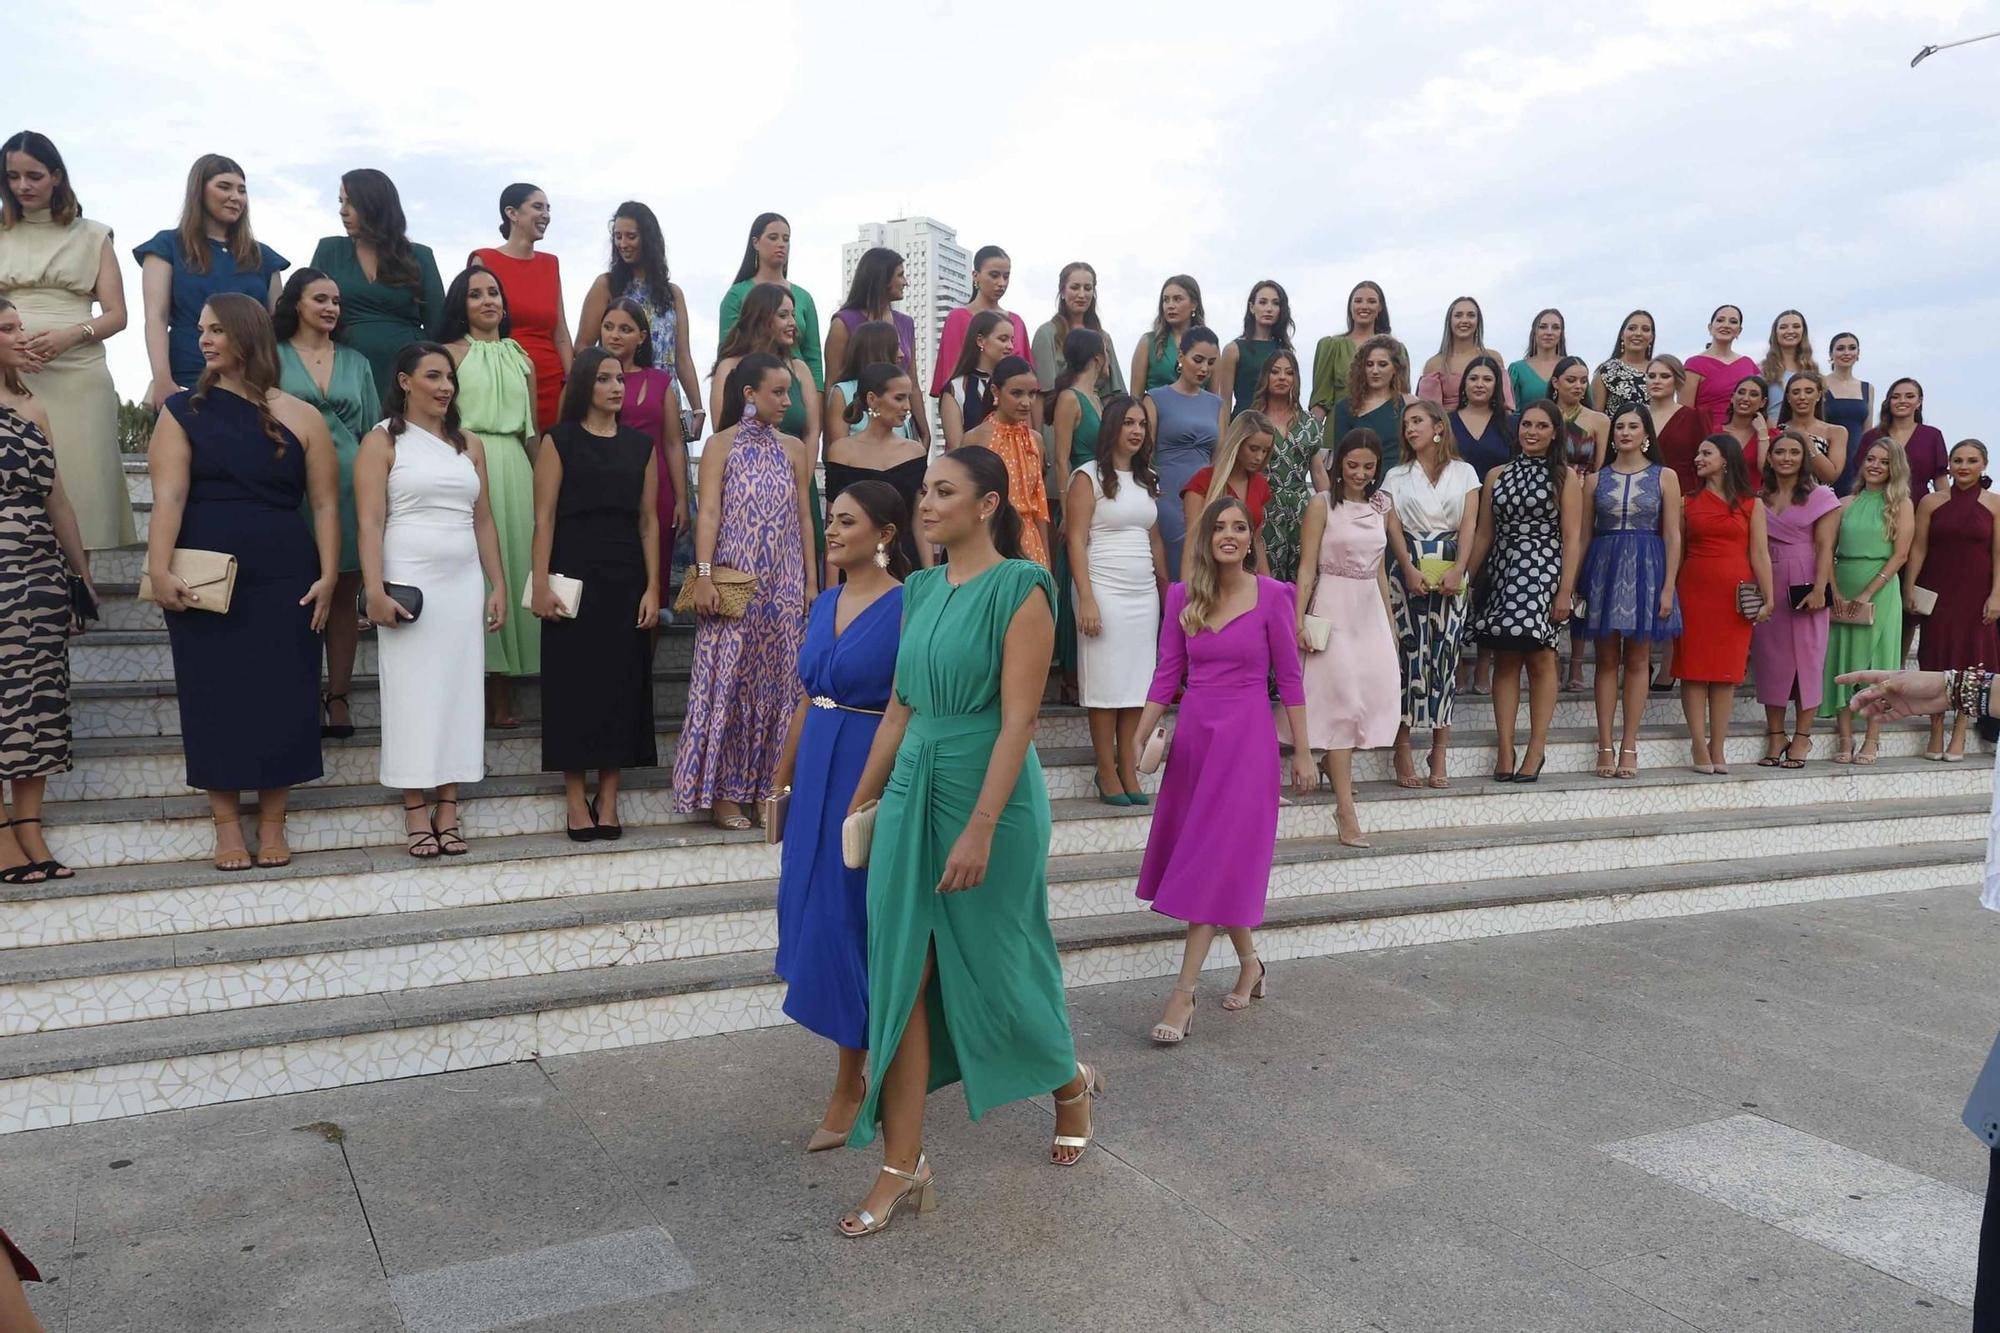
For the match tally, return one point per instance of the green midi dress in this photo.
(998, 1022)
(496, 402)
(1859, 553)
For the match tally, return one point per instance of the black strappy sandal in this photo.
(28, 872)
(418, 840)
(327, 729)
(50, 869)
(449, 834)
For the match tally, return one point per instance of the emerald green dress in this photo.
(803, 311)
(1251, 354)
(376, 319)
(1082, 449)
(1859, 553)
(496, 403)
(998, 1022)
(1164, 366)
(793, 423)
(350, 409)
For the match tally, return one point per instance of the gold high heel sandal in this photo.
(921, 1191)
(1166, 1035)
(1233, 1002)
(1093, 1088)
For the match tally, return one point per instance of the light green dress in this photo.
(494, 403)
(350, 409)
(1859, 553)
(998, 1022)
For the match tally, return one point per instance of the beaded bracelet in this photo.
(1969, 691)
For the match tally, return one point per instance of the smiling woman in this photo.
(534, 290)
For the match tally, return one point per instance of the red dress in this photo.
(1715, 638)
(1679, 438)
(533, 287)
(1260, 492)
(1958, 567)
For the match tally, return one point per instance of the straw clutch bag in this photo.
(735, 587)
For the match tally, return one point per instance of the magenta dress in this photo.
(1789, 649)
(951, 340)
(745, 680)
(1354, 690)
(649, 396)
(1215, 823)
(1717, 387)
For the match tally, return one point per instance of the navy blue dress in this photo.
(822, 905)
(248, 679)
(1485, 452)
(191, 290)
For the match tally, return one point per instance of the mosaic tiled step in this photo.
(138, 483)
(76, 1076)
(80, 985)
(153, 829)
(116, 768)
(191, 895)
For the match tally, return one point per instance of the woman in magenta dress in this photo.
(1714, 373)
(1788, 651)
(1956, 557)
(533, 283)
(992, 270)
(1215, 821)
(653, 411)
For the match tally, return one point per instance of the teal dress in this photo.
(1527, 383)
(376, 319)
(1082, 449)
(350, 409)
(803, 310)
(793, 423)
(1163, 367)
(1386, 421)
(1251, 354)
(189, 292)
(998, 1022)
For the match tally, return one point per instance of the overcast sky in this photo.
(1670, 154)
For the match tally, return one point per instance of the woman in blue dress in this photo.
(211, 250)
(847, 666)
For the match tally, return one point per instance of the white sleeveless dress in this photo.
(433, 668)
(1114, 669)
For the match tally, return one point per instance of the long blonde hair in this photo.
(1204, 585)
(1773, 364)
(1896, 491)
(1447, 444)
(1247, 423)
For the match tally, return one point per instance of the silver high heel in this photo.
(1093, 1088)
(921, 1192)
(1233, 1002)
(1166, 1035)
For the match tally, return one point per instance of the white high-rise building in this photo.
(937, 274)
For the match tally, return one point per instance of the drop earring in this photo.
(881, 556)
(750, 409)
(1437, 437)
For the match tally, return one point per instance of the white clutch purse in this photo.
(1319, 632)
(569, 594)
(857, 836)
(1922, 601)
(1155, 752)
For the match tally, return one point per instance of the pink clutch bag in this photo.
(1155, 752)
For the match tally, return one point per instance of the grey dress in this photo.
(1184, 446)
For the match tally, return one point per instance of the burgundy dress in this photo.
(1958, 567)
(1926, 452)
(1679, 438)
(649, 396)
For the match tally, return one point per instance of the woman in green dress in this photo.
(768, 321)
(1378, 384)
(1076, 308)
(390, 292)
(1267, 328)
(496, 402)
(1300, 437)
(1156, 361)
(1877, 523)
(767, 258)
(1073, 409)
(1367, 315)
(963, 979)
(337, 381)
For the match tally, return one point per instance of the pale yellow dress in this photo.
(49, 272)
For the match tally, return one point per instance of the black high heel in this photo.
(605, 832)
(1536, 776)
(327, 729)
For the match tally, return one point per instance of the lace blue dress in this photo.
(1626, 565)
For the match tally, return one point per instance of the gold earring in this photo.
(881, 555)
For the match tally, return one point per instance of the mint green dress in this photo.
(496, 404)
(998, 1020)
(1082, 449)
(1859, 553)
(350, 409)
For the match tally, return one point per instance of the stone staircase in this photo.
(152, 981)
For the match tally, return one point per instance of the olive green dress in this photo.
(1082, 449)
(997, 1017)
(351, 409)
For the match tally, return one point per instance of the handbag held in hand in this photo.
(209, 575)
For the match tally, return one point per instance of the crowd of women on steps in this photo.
(497, 494)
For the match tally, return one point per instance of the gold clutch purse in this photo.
(210, 575)
(776, 808)
(735, 587)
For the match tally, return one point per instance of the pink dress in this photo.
(1790, 648)
(1215, 822)
(649, 396)
(1354, 690)
(952, 338)
(1717, 387)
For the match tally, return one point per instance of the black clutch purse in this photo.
(81, 603)
(1800, 593)
(406, 595)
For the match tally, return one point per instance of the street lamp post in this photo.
(1929, 51)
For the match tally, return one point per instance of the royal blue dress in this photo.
(822, 905)
(1626, 566)
(190, 292)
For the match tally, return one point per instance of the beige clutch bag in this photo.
(1922, 601)
(1319, 632)
(1155, 752)
(569, 595)
(210, 575)
(857, 836)
(776, 809)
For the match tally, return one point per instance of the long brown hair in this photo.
(379, 207)
(247, 325)
(756, 327)
(1204, 585)
(1109, 424)
(396, 403)
(1061, 319)
(1261, 399)
(1357, 376)
(243, 247)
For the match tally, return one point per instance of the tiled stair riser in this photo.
(122, 997)
(188, 836)
(104, 1093)
(102, 657)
